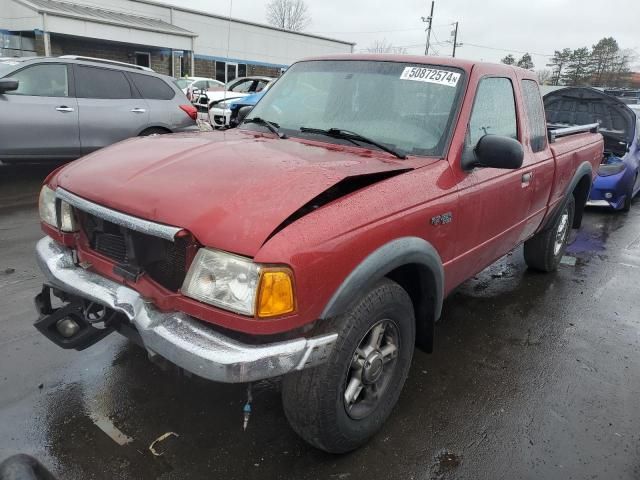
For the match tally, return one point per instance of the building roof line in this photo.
(236, 20)
(172, 30)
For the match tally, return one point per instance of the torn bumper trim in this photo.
(181, 339)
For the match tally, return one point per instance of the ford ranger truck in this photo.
(317, 240)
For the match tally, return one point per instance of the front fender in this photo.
(381, 262)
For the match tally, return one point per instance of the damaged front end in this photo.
(95, 306)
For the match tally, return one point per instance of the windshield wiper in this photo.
(273, 127)
(349, 135)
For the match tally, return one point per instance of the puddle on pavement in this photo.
(446, 462)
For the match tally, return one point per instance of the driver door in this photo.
(39, 120)
(494, 203)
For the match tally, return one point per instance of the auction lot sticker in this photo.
(430, 75)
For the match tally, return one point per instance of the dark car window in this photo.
(152, 88)
(45, 80)
(261, 85)
(494, 110)
(93, 82)
(535, 115)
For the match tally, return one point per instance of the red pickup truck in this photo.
(318, 240)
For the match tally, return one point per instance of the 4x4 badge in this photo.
(442, 219)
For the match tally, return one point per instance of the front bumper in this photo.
(181, 339)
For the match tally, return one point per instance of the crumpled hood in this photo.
(231, 190)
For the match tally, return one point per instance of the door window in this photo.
(261, 85)
(243, 86)
(152, 88)
(535, 115)
(494, 110)
(45, 80)
(93, 82)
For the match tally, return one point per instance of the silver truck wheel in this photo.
(339, 405)
(544, 250)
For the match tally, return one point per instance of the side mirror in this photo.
(8, 84)
(495, 151)
(243, 112)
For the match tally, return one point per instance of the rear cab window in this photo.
(152, 88)
(101, 83)
(535, 115)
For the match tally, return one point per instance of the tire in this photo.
(629, 198)
(543, 252)
(153, 131)
(314, 400)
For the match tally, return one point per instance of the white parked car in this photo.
(219, 99)
(220, 111)
(189, 85)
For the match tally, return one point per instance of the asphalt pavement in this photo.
(534, 376)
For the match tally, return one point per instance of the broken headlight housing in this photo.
(55, 212)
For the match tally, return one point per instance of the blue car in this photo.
(618, 179)
(236, 105)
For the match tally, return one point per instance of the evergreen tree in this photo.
(577, 71)
(526, 62)
(508, 60)
(558, 62)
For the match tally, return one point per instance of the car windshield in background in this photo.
(183, 83)
(401, 105)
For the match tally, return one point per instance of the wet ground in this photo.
(534, 376)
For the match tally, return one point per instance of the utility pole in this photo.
(428, 21)
(455, 39)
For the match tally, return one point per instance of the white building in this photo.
(171, 39)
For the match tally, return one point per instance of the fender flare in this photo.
(584, 170)
(378, 264)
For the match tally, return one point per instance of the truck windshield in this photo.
(404, 106)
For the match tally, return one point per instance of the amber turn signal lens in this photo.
(275, 294)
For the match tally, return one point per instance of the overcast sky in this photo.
(536, 26)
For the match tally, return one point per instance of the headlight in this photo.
(236, 283)
(54, 212)
(47, 206)
(222, 105)
(606, 170)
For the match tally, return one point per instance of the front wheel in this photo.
(545, 249)
(339, 405)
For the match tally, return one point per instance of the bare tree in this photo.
(382, 46)
(288, 14)
(544, 76)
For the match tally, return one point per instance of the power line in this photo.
(506, 49)
(379, 31)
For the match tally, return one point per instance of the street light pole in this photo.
(429, 21)
(455, 40)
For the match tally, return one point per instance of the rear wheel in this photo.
(545, 249)
(339, 405)
(153, 131)
(629, 197)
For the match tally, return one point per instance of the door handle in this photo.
(138, 110)
(526, 178)
(64, 109)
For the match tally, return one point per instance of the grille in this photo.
(164, 261)
(113, 246)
